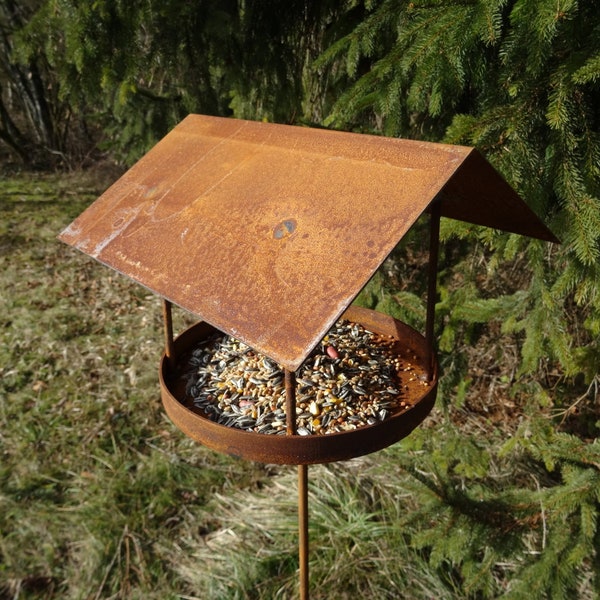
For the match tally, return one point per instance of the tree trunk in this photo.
(11, 134)
(28, 85)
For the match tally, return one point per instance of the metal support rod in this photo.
(290, 412)
(168, 327)
(434, 250)
(290, 401)
(303, 529)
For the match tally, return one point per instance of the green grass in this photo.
(101, 497)
(94, 480)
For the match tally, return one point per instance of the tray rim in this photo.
(297, 449)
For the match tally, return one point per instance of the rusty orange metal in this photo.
(296, 449)
(268, 232)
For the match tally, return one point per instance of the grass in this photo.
(101, 497)
(94, 480)
(357, 548)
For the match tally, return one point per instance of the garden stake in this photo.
(303, 529)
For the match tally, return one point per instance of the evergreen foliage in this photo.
(34, 120)
(518, 79)
(538, 530)
(135, 69)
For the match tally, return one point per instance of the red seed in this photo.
(332, 352)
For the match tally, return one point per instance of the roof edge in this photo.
(500, 207)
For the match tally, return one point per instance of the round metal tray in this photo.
(297, 449)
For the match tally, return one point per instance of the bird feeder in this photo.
(267, 233)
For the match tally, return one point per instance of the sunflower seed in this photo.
(364, 382)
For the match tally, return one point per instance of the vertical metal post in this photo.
(168, 328)
(290, 411)
(303, 529)
(434, 250)
(290, 401)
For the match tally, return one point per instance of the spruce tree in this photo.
(135, 69)
(520, 81)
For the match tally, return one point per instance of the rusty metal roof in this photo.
(268, 232)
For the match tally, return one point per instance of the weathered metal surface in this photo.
(268, 232)
(303, 538)
(290, 401)
(477, 194)
(297, 449)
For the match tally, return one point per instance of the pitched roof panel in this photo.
(268, 232)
